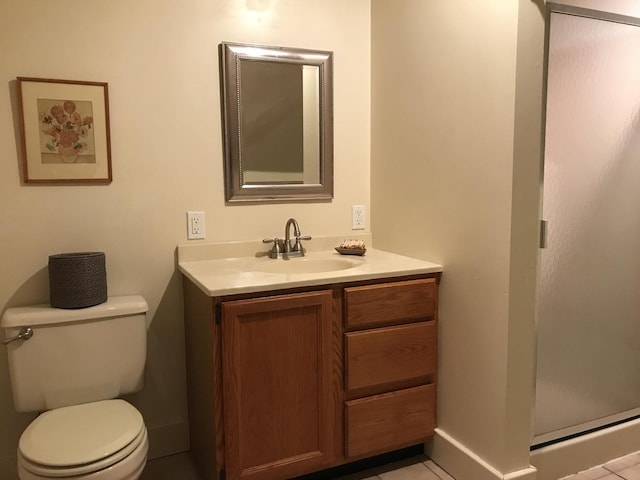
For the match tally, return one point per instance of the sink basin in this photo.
(306, 265)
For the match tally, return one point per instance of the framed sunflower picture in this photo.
(65, 131)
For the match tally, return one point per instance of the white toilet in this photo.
(72, 368)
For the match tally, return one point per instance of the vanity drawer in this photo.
(389, 355)
(389, 421)
(389, 303)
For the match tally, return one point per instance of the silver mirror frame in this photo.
(231, 54)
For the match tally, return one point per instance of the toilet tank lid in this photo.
(44, 314)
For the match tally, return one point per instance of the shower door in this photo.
(588, 359)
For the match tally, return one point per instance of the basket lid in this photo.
(44, 314)
(75, 255)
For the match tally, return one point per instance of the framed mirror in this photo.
(277, 108)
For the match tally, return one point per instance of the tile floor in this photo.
(624, 468)
(419, 471)
(180, 467)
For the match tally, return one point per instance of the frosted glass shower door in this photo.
(588, 361)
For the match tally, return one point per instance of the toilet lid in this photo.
(80, 434)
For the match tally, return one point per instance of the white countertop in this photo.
(217, 274)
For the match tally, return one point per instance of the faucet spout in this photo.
(288, 248)
(296, 249)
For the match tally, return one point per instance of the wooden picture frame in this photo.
(64, 130)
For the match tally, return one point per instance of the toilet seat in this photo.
(81, 439)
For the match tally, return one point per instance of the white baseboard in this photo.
(463, 464)
(581, 453)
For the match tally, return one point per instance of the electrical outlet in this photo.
(357, 217)
(195, 225)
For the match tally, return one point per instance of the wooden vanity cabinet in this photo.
(283, 384)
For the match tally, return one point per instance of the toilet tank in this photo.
(76, 356)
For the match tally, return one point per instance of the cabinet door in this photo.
(277, 385)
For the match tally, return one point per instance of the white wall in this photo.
(456, 115)
(161, 62)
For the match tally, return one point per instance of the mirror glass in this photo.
(278, 123)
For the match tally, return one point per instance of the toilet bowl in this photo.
(104, 440)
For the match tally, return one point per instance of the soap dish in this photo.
(351, 247)
(350, 251)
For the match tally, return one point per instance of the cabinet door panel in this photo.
(389, 303)
(389, 421)
(277, 385)
(391, 355)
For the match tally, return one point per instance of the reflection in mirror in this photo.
(277, 123)
(280, 123)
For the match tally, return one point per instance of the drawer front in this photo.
(389, 421)
(389, 303)
(390, 355)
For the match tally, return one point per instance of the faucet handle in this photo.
(276, 250)
(297, 247)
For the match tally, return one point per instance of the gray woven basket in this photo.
(77, 280)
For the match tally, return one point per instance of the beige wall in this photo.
(161, 62)
(456, 113)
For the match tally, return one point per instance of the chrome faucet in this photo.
(295, 250)
(285, 248)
